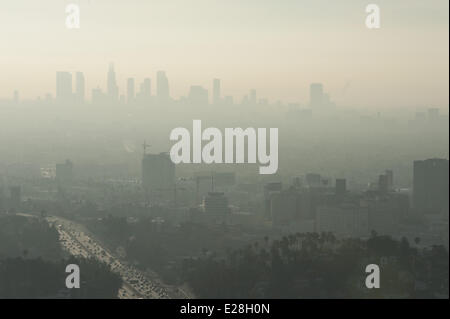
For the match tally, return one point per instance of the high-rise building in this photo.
(130, 91)
(158, 172)
(63, 87)
(430, 189)
(112, 88)
(216, 91)
(316, 96)
(80, 87)
(162, 87)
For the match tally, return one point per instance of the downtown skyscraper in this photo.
(63, 87)
(112, 88)
(80, 87)
(162, 87)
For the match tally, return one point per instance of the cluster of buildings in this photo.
(65, 94)
(312, 203)
(71, 90)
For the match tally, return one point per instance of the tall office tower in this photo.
(253, 97)
(198, 96)
(63, 87)
(341, 187)
(316, 96)
(130, 91)
(158, 172)
(145, 92)
(162, 87)
(430, 186)
(112, 88)
(79, 90)
(216, 91)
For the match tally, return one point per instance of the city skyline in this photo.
(122, 89)
(71, 87)
(243, 150)
(274, 48)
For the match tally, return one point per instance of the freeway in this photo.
(136, 284)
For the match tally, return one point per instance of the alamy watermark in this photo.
(373, 277)
(233, 145)
(73, 16)
(373, 17)
(73, 279)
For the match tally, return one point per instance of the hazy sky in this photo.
(277, 47)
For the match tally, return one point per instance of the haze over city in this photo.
(276, 48)
(239, 150)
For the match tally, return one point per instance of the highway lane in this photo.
(136, 284)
